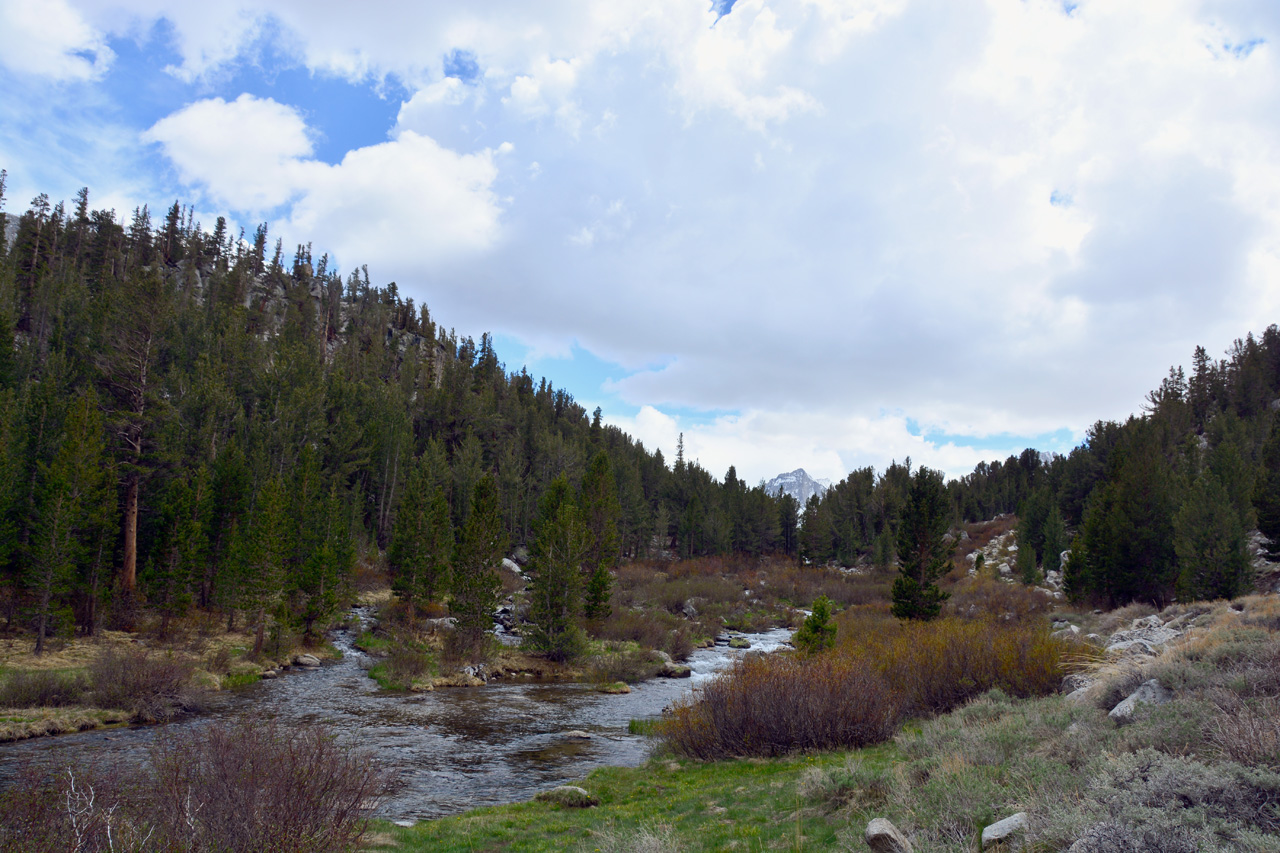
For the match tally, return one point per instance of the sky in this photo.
(804, 233)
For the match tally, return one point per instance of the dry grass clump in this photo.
(985, 598)
(653, 630)
(43, 689)
(619, 663)
(232, 789)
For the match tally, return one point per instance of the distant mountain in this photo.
(798, 484)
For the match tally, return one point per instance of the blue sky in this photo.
(818, 233)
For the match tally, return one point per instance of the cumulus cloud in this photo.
(408, 200)
(250, 153)
(991, 218)
(51, 39)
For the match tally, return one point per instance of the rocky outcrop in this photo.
(1150, 693)
(883, 837)
(1146, 635)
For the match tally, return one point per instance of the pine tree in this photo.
(1213, 561)
(475, 569)
(1266, 493)
(600, 512)
(923, 551)
(1055, 540)
(1128, 528)
(69, 487)
(266, 547)
(562, 542)
(183, 548)
(818, 632)
(421, 540)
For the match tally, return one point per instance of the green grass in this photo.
(240, 679)
(643, 727)
(746, 805)
(370, 643)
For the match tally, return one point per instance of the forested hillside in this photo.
(195, 418)
(1158, 506)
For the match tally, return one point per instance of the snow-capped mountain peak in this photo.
(798, 484)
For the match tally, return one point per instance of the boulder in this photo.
(306, 660)
(614, 688)
(1074, 682)
(447, 623)
(662, 656)
(1145, 636)
(568, 796)
(577, 734)
(1007, 833)
(1149, 693)
(1067, 633)
(511, 565)
(675, 670)
(883, 837)
(739, 643)
(270, 673)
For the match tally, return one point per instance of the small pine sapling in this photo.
(818, 633)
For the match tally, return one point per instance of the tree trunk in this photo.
(129, 571)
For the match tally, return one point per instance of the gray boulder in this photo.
(675, 670)
(1149, 693)
(568, 796)
(883, 837)
(1007, 833)
(306, 660)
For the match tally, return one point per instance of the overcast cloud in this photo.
(818, 233)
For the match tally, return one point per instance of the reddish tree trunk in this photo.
(129, 571)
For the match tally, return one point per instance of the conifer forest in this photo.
(196, 419)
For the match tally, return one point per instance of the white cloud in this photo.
(251, 153)
(829, 207)
(406, 201)
(50, 39)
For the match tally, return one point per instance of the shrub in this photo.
(152, 687)
(858, 693)
(627, 665)
(42, 689)
(250, 787)
(777, 705)
(227, 788)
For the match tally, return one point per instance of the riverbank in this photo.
(1195, 770)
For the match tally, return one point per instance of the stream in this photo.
(453, 749)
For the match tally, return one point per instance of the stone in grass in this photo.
(1005, 834)
(614, 688)
(1149, 693)
(883, 837)
(568, 796)
(739, 643)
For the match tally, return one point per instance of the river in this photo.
(452, 749)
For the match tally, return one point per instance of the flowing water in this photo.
(453, 749)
